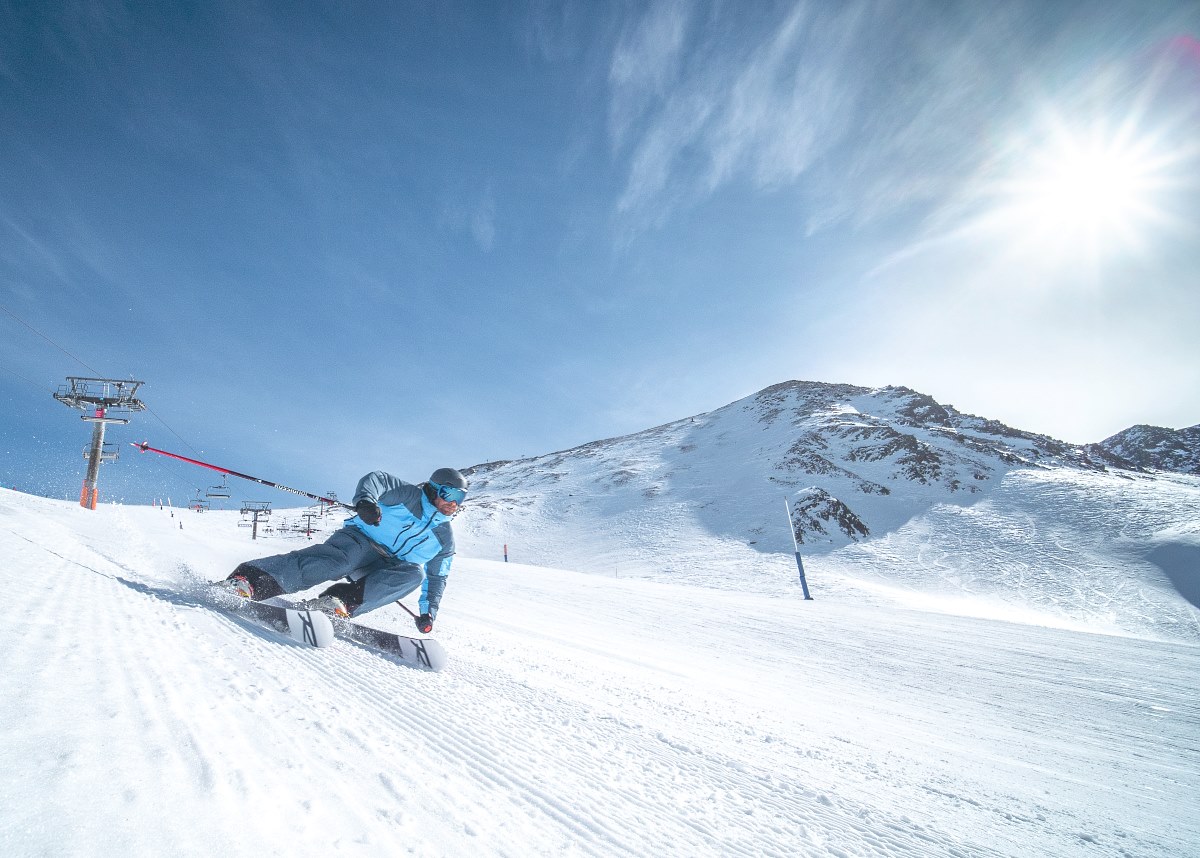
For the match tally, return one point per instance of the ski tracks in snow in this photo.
(191, 731)
(620, 718)
(201, 730)
(525, 770)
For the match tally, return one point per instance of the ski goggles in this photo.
(449, 493)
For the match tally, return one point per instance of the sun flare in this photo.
(1093, 193)
(1074, 190)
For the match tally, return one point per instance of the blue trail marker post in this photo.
(796, 547)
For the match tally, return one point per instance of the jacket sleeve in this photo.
(436, 572)
(431, 590)
(375, 485)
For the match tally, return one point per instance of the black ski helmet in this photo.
(448, 477)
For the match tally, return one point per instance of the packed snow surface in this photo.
(581, 714)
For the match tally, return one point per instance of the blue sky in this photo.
(333, 237)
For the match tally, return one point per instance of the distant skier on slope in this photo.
(400, 539)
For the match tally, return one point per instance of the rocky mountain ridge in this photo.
(851, 461)
(1157, 448)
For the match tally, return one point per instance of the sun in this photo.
(1095, 189)
(1086, 186)
(1089, 191)
(1070, 193)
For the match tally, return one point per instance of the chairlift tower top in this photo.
(100, 396)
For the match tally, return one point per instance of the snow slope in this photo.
(580, 715)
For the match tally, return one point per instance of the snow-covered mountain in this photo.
(881, 484)
(1158, 448)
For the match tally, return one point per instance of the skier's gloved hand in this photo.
(368, 511)
(424, 624)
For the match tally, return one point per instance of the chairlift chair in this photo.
(221, 491)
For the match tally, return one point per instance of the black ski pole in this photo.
(405, 607)
(146, 448)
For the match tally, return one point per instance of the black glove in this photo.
(368, 511)
(424, 624)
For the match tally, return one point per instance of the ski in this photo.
(311, 628)
(420, 652)
(315, 628)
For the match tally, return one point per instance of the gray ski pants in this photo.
(349, 552)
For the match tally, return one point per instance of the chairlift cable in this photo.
(50, 341)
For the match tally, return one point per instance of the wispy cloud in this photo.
(483, 221)
(474, 213)
(645, 65)
(554, 29)
(872, 104)
(29, 250)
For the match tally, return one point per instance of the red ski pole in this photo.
(146, 448)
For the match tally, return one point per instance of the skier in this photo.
(399, 539)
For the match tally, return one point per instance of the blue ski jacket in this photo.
(410, 529)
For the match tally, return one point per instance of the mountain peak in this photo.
(1158, 448)
(866, 459)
